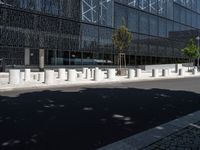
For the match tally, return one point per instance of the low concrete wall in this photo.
(162, 66)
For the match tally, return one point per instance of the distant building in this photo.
(79, 32)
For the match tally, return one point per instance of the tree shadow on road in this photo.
(86, 119)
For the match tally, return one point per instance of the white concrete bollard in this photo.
(165, 72)
(138, 73)
(177, 67)
(181, 72)
(194, 71)
(85, 72)
(131, 73)
(14, 76)
(111, 74)
(80, 75)
(55, 75)
(97, 74)
(27, 75)
(127, 72)
(61, 73)
(102, 74)
(72, 75)
(49, 77)
(170, 72)
(92, 73)
(22, 76)
(155, 73)
(35, 76)
(41, 76)
(88, 74)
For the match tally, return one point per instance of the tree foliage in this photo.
(122, 39)
(191, 50)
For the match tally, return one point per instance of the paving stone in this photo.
(150, 136)
(187, 138)
(118, 146)
(186, 120)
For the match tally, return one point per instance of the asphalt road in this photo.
(89, 117)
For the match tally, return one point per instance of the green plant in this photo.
(122, 39)
(191, 50)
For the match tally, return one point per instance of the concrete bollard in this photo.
(88, 74)
(131, 73)
(61, 73)
(177, 67)
(194, 71)
(111, 74)
(138, 73)
(92, 73)
(80, 75)
(55, 75)
(72, 75)
(97, 74)
(27, 75)
(165, 72)
(41, 76)
(102, 74)
(127, 72)
(14, 76)
(170, 72)
(35, 76)
(49, 77)
(155, 73)
(181, 72)
(84, 72)
(22, 76)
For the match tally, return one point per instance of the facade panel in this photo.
(79, 32)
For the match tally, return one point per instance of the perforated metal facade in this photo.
(79, 32)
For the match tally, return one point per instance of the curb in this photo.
(153, 135)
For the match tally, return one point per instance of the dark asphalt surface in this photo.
(89, 117)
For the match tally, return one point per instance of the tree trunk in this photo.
(121, 64)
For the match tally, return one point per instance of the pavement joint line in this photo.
(150, 136)
(72, 84)
(194, 125)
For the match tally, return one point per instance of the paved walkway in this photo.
(179, 134)
(35, 84)
(187, 139)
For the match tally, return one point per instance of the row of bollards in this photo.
(48, 77)
(72, 75)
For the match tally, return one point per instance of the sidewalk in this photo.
(34, 84)
(182, 133)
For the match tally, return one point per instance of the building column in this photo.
(41, 59)
(27, 56)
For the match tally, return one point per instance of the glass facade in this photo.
(79, 32)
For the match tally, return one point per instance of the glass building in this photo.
(79, 32)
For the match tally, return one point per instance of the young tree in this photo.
(191, 50)
(121, 40)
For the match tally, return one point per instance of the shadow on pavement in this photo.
(86, 119)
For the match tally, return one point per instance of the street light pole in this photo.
(198, 39)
